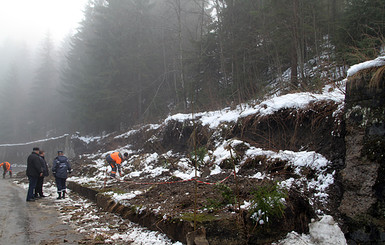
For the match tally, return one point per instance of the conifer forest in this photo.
(136, 61)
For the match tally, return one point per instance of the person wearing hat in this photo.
(7, 168)
(115, 160)
(34, 171)
(60, 169)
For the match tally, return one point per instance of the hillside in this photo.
(262, 169)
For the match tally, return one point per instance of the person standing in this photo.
(60, 169)
(115, 160)
(34, 171)
(40, 180)
(7, 168)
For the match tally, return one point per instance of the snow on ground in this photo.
(380, 61)
(298, 100)
(37, 141)
(88, 219)
(223, 151)
(89, 139)
(134, 131)
(323, 232)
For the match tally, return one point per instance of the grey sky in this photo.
(29, 20)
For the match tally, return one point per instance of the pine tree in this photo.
(44, 97)
(10, 105)
(362, 31)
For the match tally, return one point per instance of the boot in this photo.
(64, 195)
(59, 193)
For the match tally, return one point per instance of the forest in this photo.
(136, 61)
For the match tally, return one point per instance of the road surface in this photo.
(24, 222)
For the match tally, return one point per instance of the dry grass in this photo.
(377, 78)
(374, 75)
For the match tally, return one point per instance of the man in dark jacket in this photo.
(40, 180)
(60, 169)
(34, 171)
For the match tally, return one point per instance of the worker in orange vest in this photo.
(115, 160)
(7, 168)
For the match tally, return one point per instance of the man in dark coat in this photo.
(60, 169)
(34, 171)
(40, 180)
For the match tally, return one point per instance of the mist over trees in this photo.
(135, 61)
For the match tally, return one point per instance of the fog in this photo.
(25, 28)
(131, 62)
(55, 73)
(28, 21)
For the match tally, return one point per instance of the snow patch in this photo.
(34, 142)
(326, 231)
(380, 61)
(323, 232)
(298, 101)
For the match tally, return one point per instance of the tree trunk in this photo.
(220, 40)
(181, 62)
(295, 44)
(294, 65)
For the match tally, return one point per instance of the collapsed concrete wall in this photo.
(18, 153)
(363, 201)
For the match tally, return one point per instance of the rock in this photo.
(197, 237)
(363, 176)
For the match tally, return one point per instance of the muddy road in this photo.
(24, 222)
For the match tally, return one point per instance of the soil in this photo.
(215, 204)
(73, 220)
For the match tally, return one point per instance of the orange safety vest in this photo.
(7, 165)
(115, 156)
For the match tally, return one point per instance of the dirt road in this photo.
(24, 222)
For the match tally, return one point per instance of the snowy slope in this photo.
(299, 161)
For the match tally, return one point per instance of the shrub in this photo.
(227, 194)
(198, 156)
(268, 202)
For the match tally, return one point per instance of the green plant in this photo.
(198, 156)
(268, 202)
(166, 164)
(227, 194)
(213, 204)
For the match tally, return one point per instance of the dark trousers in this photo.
(5, 172)
(113, 169)
(31, 187)
(39, 186)
(61, 184)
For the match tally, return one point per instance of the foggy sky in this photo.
(28, 21)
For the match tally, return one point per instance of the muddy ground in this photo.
(29, 222)
(74, 220)
(216, 206)
(313, 129)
